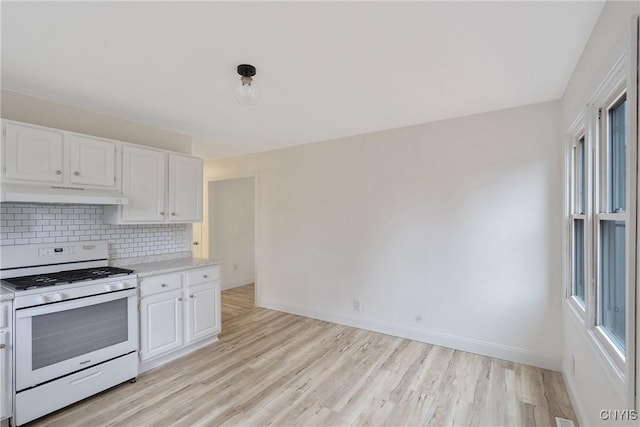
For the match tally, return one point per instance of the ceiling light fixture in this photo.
(246, 91)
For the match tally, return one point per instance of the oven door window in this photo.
(63, 335)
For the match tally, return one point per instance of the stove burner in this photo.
(63, 277)
(44, 279)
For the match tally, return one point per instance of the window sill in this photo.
(615, 375)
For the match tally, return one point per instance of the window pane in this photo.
(578, 259)
(580, 176)
(618, 155)
(612, 281)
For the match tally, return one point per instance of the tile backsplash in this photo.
(22, 224)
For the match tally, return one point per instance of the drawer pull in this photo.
(76, 173)
(58, 172)
(205, 276)
(2, 346)
(191, 296)
(164, 285)
(88, 377)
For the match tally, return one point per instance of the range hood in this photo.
(24, 193)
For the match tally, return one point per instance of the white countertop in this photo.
(169, 265)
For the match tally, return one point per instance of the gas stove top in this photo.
(64, 277)
(51, 273)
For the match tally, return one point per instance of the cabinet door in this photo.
(92, 161)
(143, 182)
(203, 311)
(185, 189)
(160, 324)
(33, 154)
(6, 391)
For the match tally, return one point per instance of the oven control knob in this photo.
(40, 299)
(108, 288)
(57, 297)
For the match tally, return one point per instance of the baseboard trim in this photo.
(577, 405)
(499, 351)
(236, 284)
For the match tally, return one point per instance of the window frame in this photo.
(593, 121)
(576, 132)
(615, 90)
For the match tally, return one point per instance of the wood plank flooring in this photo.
(277, 369)
(237, 301)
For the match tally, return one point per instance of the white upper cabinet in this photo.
(33, 154)
(185, 189)
(39, 155)
(144, 183)
(92, 161)
(161, 187)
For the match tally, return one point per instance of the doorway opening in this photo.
(228, 234)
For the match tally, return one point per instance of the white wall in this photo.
(447, 232)
(594, 386)
(231, 229)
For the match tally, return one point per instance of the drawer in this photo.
(156, 284)
(38, 401)
(202, 275)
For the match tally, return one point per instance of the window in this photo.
(601, 220)
(612, 219)
(578, 218)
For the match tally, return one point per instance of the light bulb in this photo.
(247, 91)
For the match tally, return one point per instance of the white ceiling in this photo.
(325, 70)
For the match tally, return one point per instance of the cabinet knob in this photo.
(58, 172)
(190, 296)
(76, 173)
(196, 243)
(173, 214)
(164, 285)
(180, 299)
(205, 276)
(162, 213)
(2, 346)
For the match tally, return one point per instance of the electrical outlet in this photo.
(356, 305)
(563, 422)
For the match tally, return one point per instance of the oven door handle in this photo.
(76, 303)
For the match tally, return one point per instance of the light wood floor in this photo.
(237, 301)
(277, 369)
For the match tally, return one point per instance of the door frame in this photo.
(210, 179)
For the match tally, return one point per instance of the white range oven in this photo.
(76, 324)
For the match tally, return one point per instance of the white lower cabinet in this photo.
(160, 324)
(202, 321)
(177, 311)
(6, 371)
